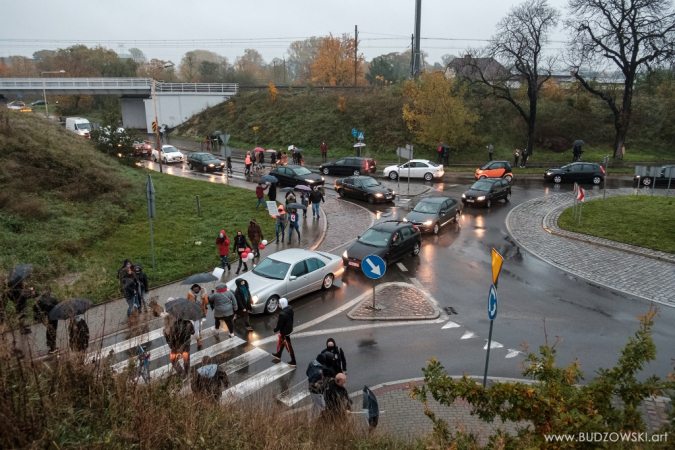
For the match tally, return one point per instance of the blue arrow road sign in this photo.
(373, 266)
(361, 133)
(492, 302)
(355, 132)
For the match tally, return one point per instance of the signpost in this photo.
(604, 185)
(374, 268)
(355, 133)
(361, 135)
(497, 261)
(150, 195)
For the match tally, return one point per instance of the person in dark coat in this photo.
(290, 197)
(78, 334)
(273, 160)
(304, 201)
(243, 296)
(315, 384)
(285, 328)
(337, 400)
(229, 165)
(281, 222)
(324, 151)
(122, 270)
(523, 162)
(41, 310)
(223, 243)
(179, 337)
(516, 157)
(255, 234)
(129, 284)
(334, 357)
(143, 289)
(240, 246)
(19, 295)
(272, 193)
(224, 305)
(293, 224)
(316, 197)
(446, 156)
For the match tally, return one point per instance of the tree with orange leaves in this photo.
(334, 62)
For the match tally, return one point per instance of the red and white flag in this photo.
(580, 194)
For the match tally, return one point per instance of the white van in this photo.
(79, 125)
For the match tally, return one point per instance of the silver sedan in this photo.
(290, 273)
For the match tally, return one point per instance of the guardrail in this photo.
(75, 83)
(201, 88)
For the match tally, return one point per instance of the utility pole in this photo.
(412, 56)
(284, 70)
(416, 50)
(356, 51)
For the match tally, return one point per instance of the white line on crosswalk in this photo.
(468, 335)
(125, 345)
(450, 324)
(244, 360)
(493, 344)
(213, 350)
(512, 353)
(293, 395)
(256, 382)
(402, 267)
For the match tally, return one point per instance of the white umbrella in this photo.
(291, 147)
(359, 144)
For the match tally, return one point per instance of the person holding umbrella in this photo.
(272, 193)
(41, 310)
(243, 296)
(19, 295)
(179, 335)
(290, 197)
(577, 151)
(240, 246)
(255, 234)
(260, 193)
(78, 334)
(196, 294)
(281, 223)
(293, 224)
(304, 201)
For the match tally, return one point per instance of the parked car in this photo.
(390, 240)
(364, 188)
(576, 171)
(662, 179)
(18, 105)
(170, 154)
(38, 103)
(204, 162)
(417, 168)
(432, 213)
(495, 169)
(79, 125)
(290, 273)
(293, 175)
(349, 166)
(487, 191)
(142, 149)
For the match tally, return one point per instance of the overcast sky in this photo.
(267, 25)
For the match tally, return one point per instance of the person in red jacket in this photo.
(223, 243)
(260, 193)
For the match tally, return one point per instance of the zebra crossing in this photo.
(512, 353)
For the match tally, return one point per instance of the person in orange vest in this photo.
(247, 163)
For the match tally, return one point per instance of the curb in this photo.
(366, 298)
(324, 218)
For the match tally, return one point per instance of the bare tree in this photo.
(515, 55)
(138, 55)
(631, 35)
(189, 67)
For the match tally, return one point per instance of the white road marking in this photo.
(468, 335)
(493, 344)
(293, 395)
(125, 345)
(244, 360)
(512, 353)
(402, 267)
(256, 382)
(451, 324)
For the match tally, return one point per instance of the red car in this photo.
(142, 149)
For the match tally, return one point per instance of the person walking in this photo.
(336, 397)
(272, 193)
(282, 219)
(316, 197)
(446, 156)
(491, 149)
(179, 335)
(129, 284)
(273, 160)
(229, 166)
(334, 357)
(240, 246)
(315, 384)
(209, 380)
(255, 234)
(19, 295)
(78, 334)
(167, 130)
(41, 310)
(247, 164)
(285, 328)
(304, 201)
(224, 305)
(260, 193)
(324, 151)
(439, 158)
(293, 224)
(284, 159)
(223, 243)
(279, 157)
(197, 294)
(523, 162)
(300, 162)
(243, 296)
(290, 197)
(516, 157)
(261, 161)
(208, 143)
(143, 289)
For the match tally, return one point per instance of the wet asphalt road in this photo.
(593, 323)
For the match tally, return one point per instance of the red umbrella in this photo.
(259, 149)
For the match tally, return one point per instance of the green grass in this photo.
(643, 220)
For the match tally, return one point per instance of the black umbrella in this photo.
(370, 407)
(444, 145)
(269, 178)
(18, 274)
(200, 278)
(185, 309)
(579, 143)
(296, 206)
(70, 308)
(299, 150)
(286, 189)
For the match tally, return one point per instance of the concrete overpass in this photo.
(176, 102)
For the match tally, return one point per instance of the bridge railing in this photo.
(202, 88)
(76, 83)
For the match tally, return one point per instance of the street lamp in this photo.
(154, 100)
(44, 91)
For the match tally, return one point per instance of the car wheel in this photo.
(272, 304)
(164, 161)
(416, 249)
(325, 171)
(371, 199)
(482, 177)
(154, 158)
(341, 192)
(646, 181)
(428, 176)
(508, 197)
(508, 178)
(557, 179)
(357, 172)
(457, 217)
(597, 180)
(327, 282)
(393, 175)
(189, 166)
(437, 228)
(204, 169)
(488, 203)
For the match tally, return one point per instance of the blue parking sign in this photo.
(355, 132)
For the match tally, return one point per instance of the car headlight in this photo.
(254, 299)
(309, 181)
(549, 173)
(428, 222)
(222, 163)
(344, 255)
(211, 165)
(393, 192)
(405, 219)
(463, 195)
(379, 195)
(323, 179)
(481, 198)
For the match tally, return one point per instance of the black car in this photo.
(487, 191)
(349, 166)
(364, 188)
(431, 213)
(576, 171)
(664, 179)
(390, 240)
(204, 162)
(293, 175)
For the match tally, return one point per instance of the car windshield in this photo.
(486, 166)
(271, 268)
(302, 171)
(83, 126)
(481, 185)
(426, 207)
(170, 149)
(369, 182)
(375, 238)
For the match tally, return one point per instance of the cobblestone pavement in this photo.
(346, 221)
(396, 301)
(640, 272)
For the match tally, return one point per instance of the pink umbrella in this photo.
(259, 149)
